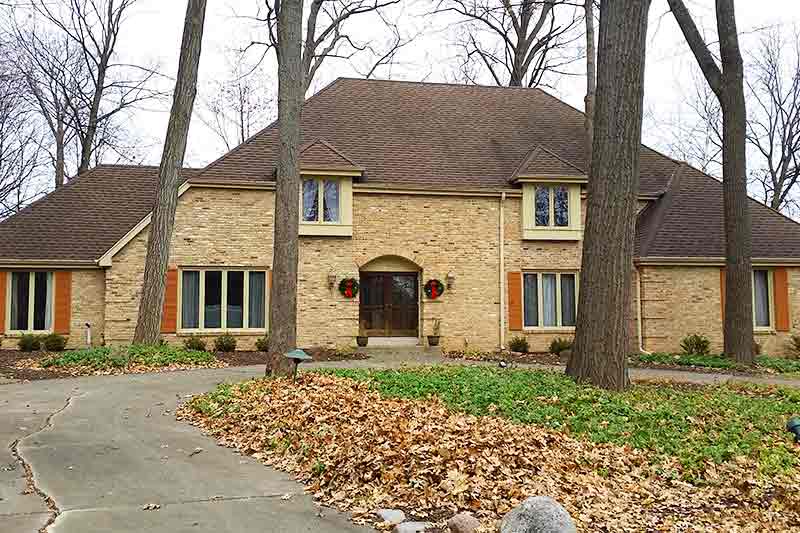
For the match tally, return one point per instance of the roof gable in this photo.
(542, 161)
(321, 155)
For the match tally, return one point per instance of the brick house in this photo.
(480, 188)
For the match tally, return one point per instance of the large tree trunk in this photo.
(728, 84)
(602, 337)
(291, 84)
(163, 219)
(738, 246)
(591, 80)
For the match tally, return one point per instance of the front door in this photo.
(389, 305)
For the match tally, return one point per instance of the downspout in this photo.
(639, 306)
(502, 280)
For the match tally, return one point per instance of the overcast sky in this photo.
(153, 34)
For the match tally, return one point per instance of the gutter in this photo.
(50, 263)
(502, 280)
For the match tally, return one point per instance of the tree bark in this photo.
(163, 219)
(728, 84)
(291, 85)
(59, 163)
(591, 80)
(602, 336)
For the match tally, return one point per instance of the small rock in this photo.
(539, 514)
(391, 516)
(463, 523)
(412, 527)
(151, 507)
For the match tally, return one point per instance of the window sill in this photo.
(208, 332)
(17, 333)
(326, 230)
(552, 234)
(764, 331)
(558, 329)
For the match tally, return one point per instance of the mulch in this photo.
(13, 367)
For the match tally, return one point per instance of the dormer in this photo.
(326, 190)
(551, 196)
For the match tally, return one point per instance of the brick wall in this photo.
(88, 293)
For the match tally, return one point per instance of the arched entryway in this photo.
(389, 298)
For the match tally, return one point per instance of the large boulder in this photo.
(538, 514)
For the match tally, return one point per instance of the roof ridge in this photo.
(438, 83)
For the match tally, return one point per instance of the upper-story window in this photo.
(551, 211)
(30, 301)
(326, 206)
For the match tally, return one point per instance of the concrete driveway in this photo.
(86, 455)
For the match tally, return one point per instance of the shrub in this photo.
(225, 343)
(559, 345)
(519, 344)
(794, 345)
(262, 344)
(54, 342)
(30, 343)
(194, 343)
(696, 345)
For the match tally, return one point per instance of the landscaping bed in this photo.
(435, 441)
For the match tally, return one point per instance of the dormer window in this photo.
(321, 192)
(551, 206)
(551, 211)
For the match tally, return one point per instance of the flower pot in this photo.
(433, 340)
(362, 340)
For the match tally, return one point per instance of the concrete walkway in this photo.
(86, 455)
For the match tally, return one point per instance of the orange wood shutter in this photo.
(169, 316)
(63, 302)
(780, 284)
(722, 291)
(515, 301)
(3, 296)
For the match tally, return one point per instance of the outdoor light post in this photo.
(297, 357)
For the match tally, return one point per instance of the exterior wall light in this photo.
(451, 281)
(331, 281)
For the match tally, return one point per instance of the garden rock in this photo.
(412, 527)
(391, 516)
(539, 514)
(463, 523)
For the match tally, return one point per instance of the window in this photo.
(762, 298)
(552, 206)
(31, 301)
(223, 299)
(551, 211)
(321, 192)
(549, 299)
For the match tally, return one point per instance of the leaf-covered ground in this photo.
(434, 441)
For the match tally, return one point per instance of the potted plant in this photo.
(433, 338)
(362, 340)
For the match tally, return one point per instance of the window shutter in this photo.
(515, 301)
(780, 284)
(169, 316)
(3, 299)
(62, 305)
(722, 292)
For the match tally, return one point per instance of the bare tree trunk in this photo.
(602, 336)
(59, 139)
(728, 84)
(163, 221)
(291, 84)
(591, 80)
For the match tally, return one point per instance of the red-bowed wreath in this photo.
(434, 288)
(349, 287)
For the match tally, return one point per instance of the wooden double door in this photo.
(389, 304)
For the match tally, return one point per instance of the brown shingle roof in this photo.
(688, 222)
(542, 161)
(83, 219)
(321, 155)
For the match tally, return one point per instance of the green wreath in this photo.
(349, 287)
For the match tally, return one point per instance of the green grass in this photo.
(694, 425)
(105, 358)
(763, 362)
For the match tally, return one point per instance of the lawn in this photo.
(778, 365)
(482, 439)
(108, 358)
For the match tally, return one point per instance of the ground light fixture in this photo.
(299, 356)
(793, 426)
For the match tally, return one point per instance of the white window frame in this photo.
(31, 306)
(224, 305)
(551, 219)
(551, 232)
(540, 300)
(320, 181)
(770, 297)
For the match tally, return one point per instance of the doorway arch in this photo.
(389, 303)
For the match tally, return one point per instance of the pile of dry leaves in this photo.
(357, 451)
